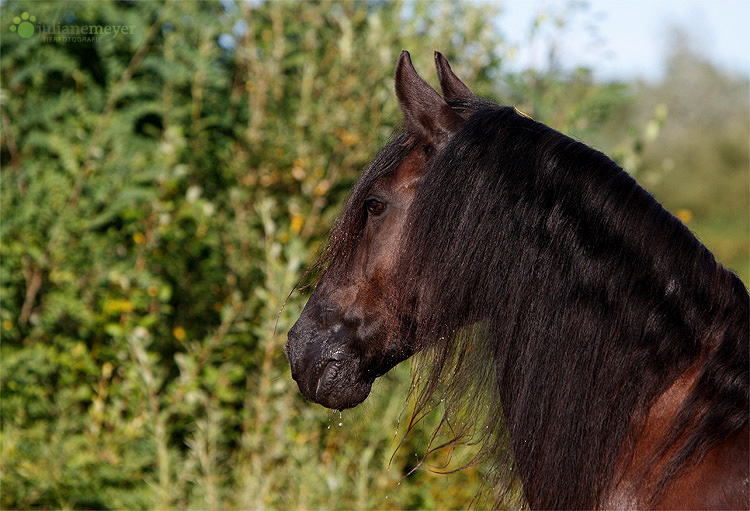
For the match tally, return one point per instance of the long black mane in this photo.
(555, 300)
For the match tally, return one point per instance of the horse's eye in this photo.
(374, 207)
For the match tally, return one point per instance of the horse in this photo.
(573, 329)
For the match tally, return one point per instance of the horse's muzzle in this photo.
(324, 365)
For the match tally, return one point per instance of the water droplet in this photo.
(341, 424)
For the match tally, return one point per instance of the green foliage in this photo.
(161, 194)
(699, 167)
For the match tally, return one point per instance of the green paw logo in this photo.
(24, 25)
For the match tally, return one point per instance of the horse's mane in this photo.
(546, 274)
(555, 300)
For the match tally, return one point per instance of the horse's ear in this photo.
(427, 114)
(453, 88)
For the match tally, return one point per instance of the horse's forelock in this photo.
(343, 238)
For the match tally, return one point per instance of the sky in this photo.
(628, 39)
(631, 38)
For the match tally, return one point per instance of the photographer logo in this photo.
(24, 25)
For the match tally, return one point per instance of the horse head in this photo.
(356, 324)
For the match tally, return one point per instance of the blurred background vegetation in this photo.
(162, 193)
